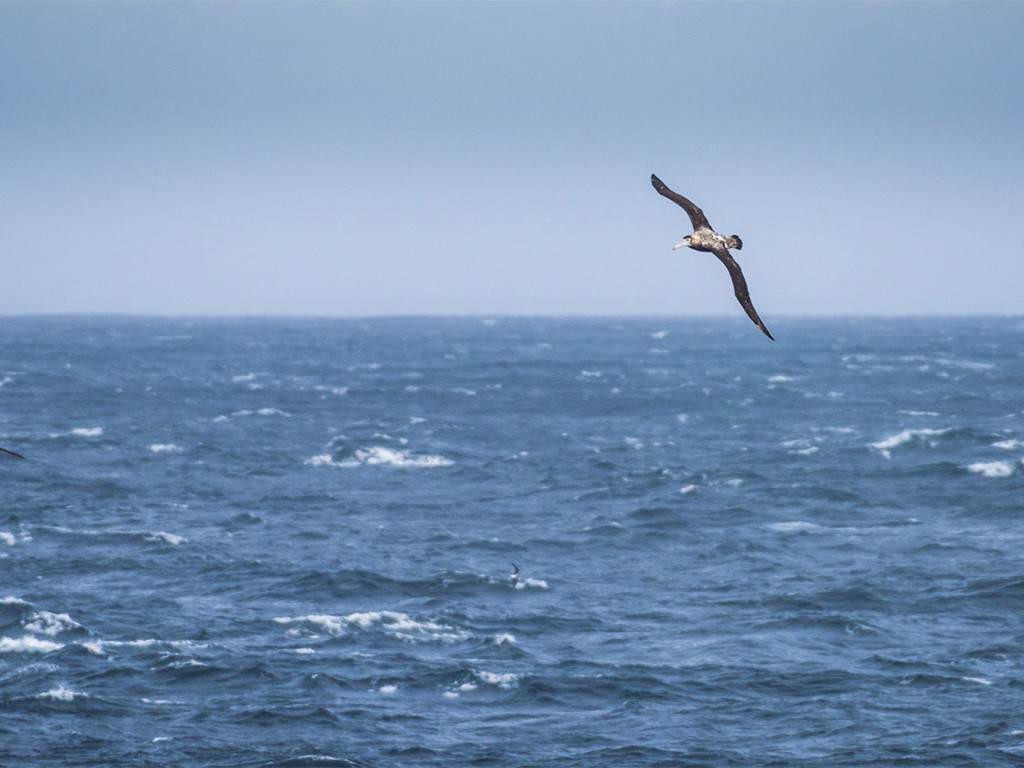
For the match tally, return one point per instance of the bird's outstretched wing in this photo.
(739, 285)
(697, 217)
(12, 453)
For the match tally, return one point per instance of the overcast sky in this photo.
(490, 158)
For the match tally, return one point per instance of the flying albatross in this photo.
(704, 238)
(12, 453)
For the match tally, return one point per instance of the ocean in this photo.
(290, 542)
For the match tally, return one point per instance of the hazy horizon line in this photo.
(498, 315)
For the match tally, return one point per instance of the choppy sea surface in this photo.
(289, 542)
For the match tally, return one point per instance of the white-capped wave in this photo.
(800, 447)
(467, 687)
(779, 379)
(532, 583)
(50, 624)
(7, 538)
(504, 680)
(87, 431)
(27, 644)
(322, 460)
(167, 538)
(379, 455)
(970, 365)
(463, 688)
(906, 436)
(60, 693)
(658, 335)
(394, 623)
(992, 468)
(259, 412)
(505, 638)
(388, 690)
(978, 680)
(162, 702)
(1008, 445)
(333, 390)
(164, 448)
(401, 625)
(100, 647)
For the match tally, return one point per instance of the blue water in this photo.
(289, 542)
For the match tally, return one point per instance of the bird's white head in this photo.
(682, 243)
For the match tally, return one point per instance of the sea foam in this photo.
(506, 680)
(164, 448)
(50, 624)
(60, 693)
(164, 537)
(27, 644)
(1008, 445)
(381, 456)
(100, 647)
(886, 446)
(533, 583)
(992, 468)
(394, 623)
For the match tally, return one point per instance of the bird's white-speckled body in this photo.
(704, 239)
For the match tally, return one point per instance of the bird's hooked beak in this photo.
(682, 243)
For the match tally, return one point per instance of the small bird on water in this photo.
(704, 238)
(12, 453)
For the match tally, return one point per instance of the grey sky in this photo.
(366, 158)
